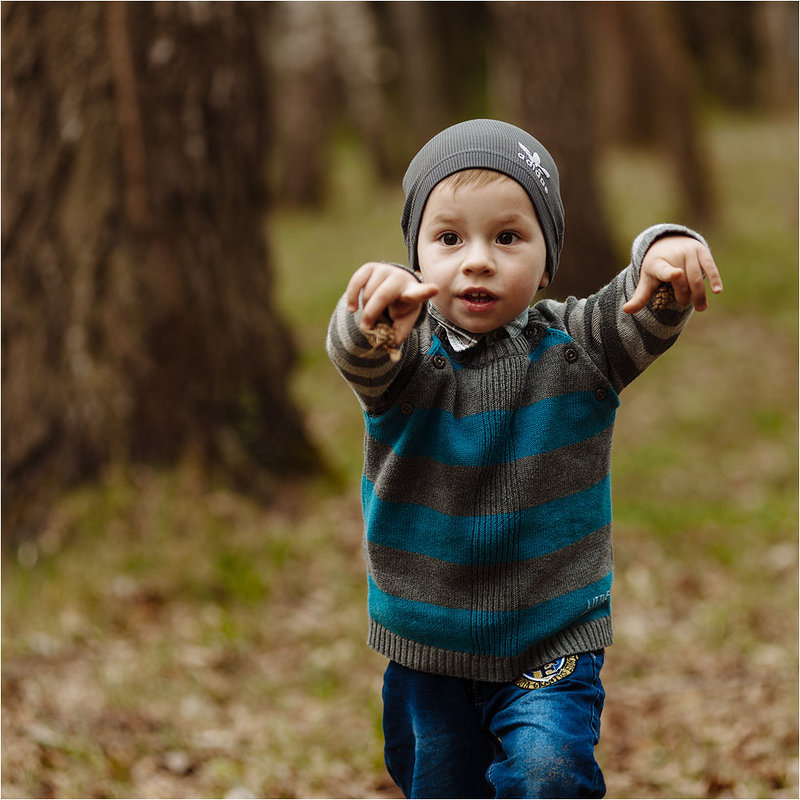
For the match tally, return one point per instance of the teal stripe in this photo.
(498, 632)
(551, 338)
(541, 427)
(545, 528)
(438, 347)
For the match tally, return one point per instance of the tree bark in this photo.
(138, 315)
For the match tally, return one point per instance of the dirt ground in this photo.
(142, 689)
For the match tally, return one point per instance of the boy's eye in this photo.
(450, 239)
(507, 237)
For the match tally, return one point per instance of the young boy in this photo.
(486, 492)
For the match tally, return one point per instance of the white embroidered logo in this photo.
(598, 600)
(534, 161)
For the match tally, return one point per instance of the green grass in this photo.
(168, 637)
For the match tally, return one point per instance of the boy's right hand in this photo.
(389, 288)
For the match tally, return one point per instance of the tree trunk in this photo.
(305, 101)
(418, 109)
(324, 61)
(722, 40)
(663, 101)
(776, 31)
(545, 82)
(138, 316)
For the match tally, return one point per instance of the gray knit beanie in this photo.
(486, 144)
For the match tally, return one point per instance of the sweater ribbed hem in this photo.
(593, 635)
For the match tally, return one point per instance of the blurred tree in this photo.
(745, 54)
(776, 32)
(440, 67)
(303, 91)
(325, 69)
(463, 34)
(644, 88)
(138, 314)
(541, 81)
(389, 74)
(418, 110)
(722, 42)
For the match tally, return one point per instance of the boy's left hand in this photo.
(681, 261)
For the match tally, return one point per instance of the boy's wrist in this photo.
(648, 237)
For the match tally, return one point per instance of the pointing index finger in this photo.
(709, 267)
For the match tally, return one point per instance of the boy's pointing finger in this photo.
(710, 270)
(420, 292)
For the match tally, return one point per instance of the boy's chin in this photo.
(481, 328)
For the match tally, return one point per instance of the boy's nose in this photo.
(478, 259)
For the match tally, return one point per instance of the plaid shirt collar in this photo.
(461, 340)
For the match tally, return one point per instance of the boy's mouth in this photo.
(477, 299)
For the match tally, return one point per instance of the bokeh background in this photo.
(186, 188)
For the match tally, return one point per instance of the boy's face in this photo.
(482, 245)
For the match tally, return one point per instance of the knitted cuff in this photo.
(643, 242)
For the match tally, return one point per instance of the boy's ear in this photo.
(545, 281)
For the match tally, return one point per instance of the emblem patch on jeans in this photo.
(548, 674)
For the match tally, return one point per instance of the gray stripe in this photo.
(369, 374)
(593, 635)
(450, 489)
(428, 580)
(621, 345)
(552, 375)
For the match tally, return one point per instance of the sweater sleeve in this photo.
(623, 345)
(369, 371)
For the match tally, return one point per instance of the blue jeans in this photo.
(450, 737)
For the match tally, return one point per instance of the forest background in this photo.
(185, 189)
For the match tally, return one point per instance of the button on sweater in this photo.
(486, 489)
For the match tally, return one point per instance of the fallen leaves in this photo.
(135, 665)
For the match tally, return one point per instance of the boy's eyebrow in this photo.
(443, 216)
(446, 217)
(512, 217)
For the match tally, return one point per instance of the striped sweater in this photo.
(486, 486)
